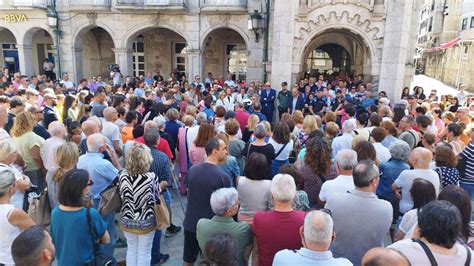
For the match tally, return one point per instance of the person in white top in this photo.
(462, 94)
(111, 130)
(344, 141)
(436, 237)
(420, 159)
(381, 152)
(66, 82)
(283, 145)
(3, 120)
(346, 160)
(193, 131)
(48, 153)
(12, 220)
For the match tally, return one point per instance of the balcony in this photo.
(150, 4)
(29, 3)
(223, 5)
(90, 4)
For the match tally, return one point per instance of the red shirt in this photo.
(276, 231)
(162, 146)
(242, 117)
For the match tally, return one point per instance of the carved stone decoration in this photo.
(92, 17)
(156, 19)
(224, 18)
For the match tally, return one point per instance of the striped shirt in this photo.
(468, 154)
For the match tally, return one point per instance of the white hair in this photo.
(283, 188)
(348, 126)
(223, 199)
(201, 118)
(149, 125)
(56, 128)
(346, 159)
(95, 142)
(318, 232)
(7, 147)
(7, 180)
(384, 101)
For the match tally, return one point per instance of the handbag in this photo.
(40, 209)
(99, 259)
(110, 200)
(162, 216)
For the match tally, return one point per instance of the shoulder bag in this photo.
(99, 259)
(431, 257)
(162, 214)
(110, 200)
(40, 209)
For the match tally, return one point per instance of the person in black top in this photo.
(16, 105)
(50, 100)
(319, 103)
(203, 179)
(260, 146)
(336, 102)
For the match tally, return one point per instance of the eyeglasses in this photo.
(90, 183)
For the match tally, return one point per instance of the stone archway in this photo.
(8, 50)
(38, 45)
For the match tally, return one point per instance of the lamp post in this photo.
(254, 22)
(53, 20)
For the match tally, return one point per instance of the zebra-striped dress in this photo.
(137, 214)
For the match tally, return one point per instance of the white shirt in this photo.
(191, 136)
(285, 153)
(340, 184)
(382, 153)
(111, 131)
(228, 103)
(230, 83)
(67, 84)
(405, 180)
(341, 143)
(48, 152)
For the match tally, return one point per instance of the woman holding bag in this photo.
(138, 189)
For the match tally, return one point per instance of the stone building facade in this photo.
(374, 37)
(450, 20)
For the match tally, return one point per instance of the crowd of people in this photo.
(320, 172)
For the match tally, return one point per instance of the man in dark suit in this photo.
(48, 110)
(296, 101)
(267, 99)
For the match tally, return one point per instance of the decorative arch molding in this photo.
(366, 4)
(13, 32)
(370, 34)
(77, 43)
(134, 31)
(26, 37)
(230, 26)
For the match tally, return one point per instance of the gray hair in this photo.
(149, 125)
(56, 128)
(318, 232)
(348, 126)
(283, 188)
(260, 131)
(201, 118)
(346, 159)
(95, 142)
(364, 172)
(151, 136)
(7, 180)
(7, 147)
(400, 150)
(223, 199)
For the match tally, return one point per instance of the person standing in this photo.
(296, 101)
(203, 179)
(267, 99)
(370, 217)
(283, 99)
(48, 69)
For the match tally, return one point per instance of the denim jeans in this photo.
(470, 190)
(139, 248)
(110, 219)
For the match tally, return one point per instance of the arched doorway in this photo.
(337, 50)
(94, 47)
(42, 47)
(9, 51)
(225, 52)
(157, 49)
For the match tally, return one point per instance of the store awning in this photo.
(443, 46)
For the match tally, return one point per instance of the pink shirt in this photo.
(242, 117)
(197, 154)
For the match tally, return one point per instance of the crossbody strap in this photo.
(281, 149)
(91, 232)
(468, 258)
(427, 251)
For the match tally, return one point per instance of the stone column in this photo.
(194, 64)
(25, 56)
(283, 32)
(397, 50)
(77, 64)
(123, 57)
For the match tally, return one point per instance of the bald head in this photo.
(384, 256)
(420, 158)
(110, 114)
(90, 127)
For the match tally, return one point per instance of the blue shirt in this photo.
(160, 165)
(305, 256)
(172, 129)
(367, 102)
(389, 171)
(209, 113)
(71, 236)
(101, 171)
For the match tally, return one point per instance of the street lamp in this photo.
(254, 23)
(140, 38)
(54, 25)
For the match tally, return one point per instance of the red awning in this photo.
(450, 44)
